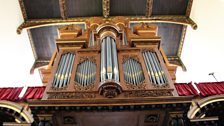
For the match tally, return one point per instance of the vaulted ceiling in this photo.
(43, 17)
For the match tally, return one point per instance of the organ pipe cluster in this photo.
(154, 69)
(63, 73)
(86, 73)
(133, 73)
(109, 63)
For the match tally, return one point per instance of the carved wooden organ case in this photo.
(108, 60)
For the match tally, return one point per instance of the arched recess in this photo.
(17, 111)
(207, 107)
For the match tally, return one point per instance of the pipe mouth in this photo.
(110, 89)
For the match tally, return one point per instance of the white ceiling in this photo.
(202, 52)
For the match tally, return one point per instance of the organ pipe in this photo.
(133, 73)
(63, 72)
(85, 73)
(154, 68)
(109, 62)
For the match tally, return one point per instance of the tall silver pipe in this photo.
(71, 66)
(149, 67)
(62, 77)
(115, 62)
(156, 67)
(160, 67)
(67, 70)
(132, 71)
(60, 71)
(57, 72)
(94, 72)
(109, 59)
(103, 63)
(153, 67)
(136, 72)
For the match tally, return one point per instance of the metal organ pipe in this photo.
(154, 68)
(109, 62)
(133, 73)
(63, 72)
(85, 73)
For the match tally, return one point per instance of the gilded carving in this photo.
(148, 93)
(106, 8)
(136, 87)
(35, 23)
(110, 89)
(69, 95)
(89, 87)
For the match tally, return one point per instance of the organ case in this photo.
(109, 60)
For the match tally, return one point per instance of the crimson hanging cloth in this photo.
(34, 93)
(185, 89)
(10, 94)
(211, 88)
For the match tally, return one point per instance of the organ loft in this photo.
(110, 73)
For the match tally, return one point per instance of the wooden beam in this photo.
(38, 64)
(32, 44)
(22, 7)
(177, 61)
(106, 8)
(62, 9)
(182, 41)
(149, 5)
(35, 23)
(189, 6)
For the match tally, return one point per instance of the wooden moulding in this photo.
(144, 43)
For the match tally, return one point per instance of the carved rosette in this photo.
(110, 89)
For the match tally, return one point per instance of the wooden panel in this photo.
(39, 9)
(137, 118)
(127, 7)
(83, 8)
(44, 41)
(169, 7)
(171, 36)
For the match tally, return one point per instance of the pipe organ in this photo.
(108, 59)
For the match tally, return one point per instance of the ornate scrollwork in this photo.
(161, 86)
(69, 95)
(148, 93)
(77, 87)
(110, 89)
(126, 57)
(136, 87)
(84, 58)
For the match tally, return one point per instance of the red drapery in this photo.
(211, 88)
(34, 93)
(11, 94)
(185, 89)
